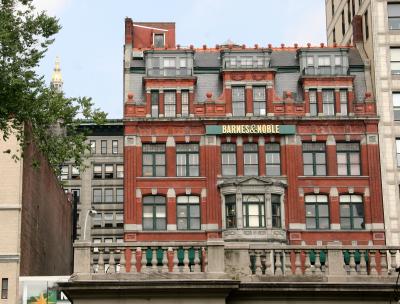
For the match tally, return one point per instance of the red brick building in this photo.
(248, 143)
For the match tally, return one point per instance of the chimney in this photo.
(357, 29)
(128, 30)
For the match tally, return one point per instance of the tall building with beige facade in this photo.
(374, 27)
(35, 220)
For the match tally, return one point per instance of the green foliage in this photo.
(25, 100)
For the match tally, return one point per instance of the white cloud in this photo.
(51, 6)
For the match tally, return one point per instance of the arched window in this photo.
(188, 212)
(154, 213)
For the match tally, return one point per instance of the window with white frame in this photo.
(97, 171)
(228, 159)
(187, 160)
(396, 105)
(259, 101)
(317, 211)
(75, 172)
(348, 158)
(328, 102)
(343, 102)
(272, 159)
(154, 213)
(351, 212)
(324, 61)
(395, 60)
(253, 210)
(185, 103)
(250, 159)
(120, 171)
(115, 147)
(109, 171)
(188, 212)
(238, 101)
(246, 61)
(312, 94)
(170, 104)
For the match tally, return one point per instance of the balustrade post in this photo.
(352, 263)
(307, 263)
(186, 267)
(133, 260)
(257, 264)
(297, 262)
(111, 262)
(268, 265)
(154, 260)
(363, 263)
(165, 267)
(317, 263)
(101, 261)
(175, 260)
(393, 263)
(122, 263)
(287, 261)
(278, 263)
(373, 262)
(196, 267)
(143, 261)
(384, 265)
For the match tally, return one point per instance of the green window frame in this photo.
(317, 212)
(228, 159)
(153, 160)
(154, 215)
(188, 212)
(348, 158)
(272, 159)
(314, 159)
(187, 160)
(351, 212)
(253, 210)
(230, 211)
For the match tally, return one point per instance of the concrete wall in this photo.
(46, 224)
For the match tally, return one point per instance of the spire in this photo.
(56, 78)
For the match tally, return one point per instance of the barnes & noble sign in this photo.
(250, 129)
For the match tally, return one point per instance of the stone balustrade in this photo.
(240, 260)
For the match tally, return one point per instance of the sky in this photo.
(90, 43)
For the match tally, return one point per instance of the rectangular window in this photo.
(188, 213)
(109, 171)
(103, 147)
(328, 102)
(4, 288)
(228, 159)
(238, 101)
(313, 102)
(250, 159)
(97, 196)
(366, 25)
(272, 159)
(64, 172)
(246, 61)
(396, 105)
(170, 104)
(324, 61)
(317, 211)
(276, 211)
(259, 101)
(398, 152)
(310, 61)
(185, 103)
(230, 210)
(394, 16)
(97, 172)
(119, 195)
(154, 213)
(120, 171)
(338, 60)
(96, 222)
(154, 103)
(169, 62)
(75, 172)
(158, 40)
(108, 220)
(351, 212)
(92, 147)
(153, 160)
(253, 211)
(108, 195)
(108, 240)
(343, 102)
(314, 159)
(119, 220)
(395, 60)
(115, 147)
(348, 158)
(187, 160)
(232, 61)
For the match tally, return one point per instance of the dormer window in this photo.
(159, 40)
(310, 61)
(246, 61)
(169, 62)
(232, 61)
(324, 61)
(338, 60)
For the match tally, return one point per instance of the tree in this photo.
(26, 102)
